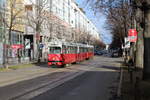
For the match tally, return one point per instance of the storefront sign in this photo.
(17, 46)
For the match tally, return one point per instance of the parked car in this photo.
(115, 54)
(99, 52)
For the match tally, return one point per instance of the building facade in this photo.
(2, 29)
(40, 21)
(65, 21)
(15, 30)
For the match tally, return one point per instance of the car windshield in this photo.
(55, 50)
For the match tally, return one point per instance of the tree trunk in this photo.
(38, 43)
(140, 45)
(146, 72)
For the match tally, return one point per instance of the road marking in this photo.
(120, 84)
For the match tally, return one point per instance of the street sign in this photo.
(27, 44)
(132, 35)
(41, 45)
(127, 42)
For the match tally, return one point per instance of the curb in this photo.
(120, 83)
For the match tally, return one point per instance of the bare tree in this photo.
(146, 6)
(35, 18)
(118, 13)
(138, 11)
(138, 16)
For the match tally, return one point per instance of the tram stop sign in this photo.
(132, 35)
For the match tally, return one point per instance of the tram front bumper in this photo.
(55, 63)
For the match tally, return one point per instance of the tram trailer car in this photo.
(61, 54)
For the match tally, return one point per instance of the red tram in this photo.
(66, 53)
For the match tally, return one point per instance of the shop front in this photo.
(16, 48)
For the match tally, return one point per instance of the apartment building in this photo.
(2, 14)
(69, 12)
(2, 28)
(65, 21)
(14, 22)
(58, 20)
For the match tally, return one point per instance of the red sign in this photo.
(17, 46)
(132, 35)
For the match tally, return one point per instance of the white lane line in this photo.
(120, 84)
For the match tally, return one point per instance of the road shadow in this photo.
(41, 64)
(121, 62)
(111, 67)
(95, 83)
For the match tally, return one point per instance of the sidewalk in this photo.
(13, 76)
(135, 88)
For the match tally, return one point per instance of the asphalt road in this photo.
(96, 79)
(92, 85)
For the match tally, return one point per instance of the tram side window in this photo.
(68, 50)
(80, 50)
(73, 50)
(83, 50)
(90, 49)
(86, 50)
(64, 50)
(55, 50)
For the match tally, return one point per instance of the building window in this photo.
(28, 7)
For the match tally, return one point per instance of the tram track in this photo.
(47, 86)
(73, 72)
(29, 89)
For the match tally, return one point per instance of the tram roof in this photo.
(56, 43)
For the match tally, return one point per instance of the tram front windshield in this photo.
(55, 50)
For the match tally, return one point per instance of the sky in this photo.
(98, 20)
